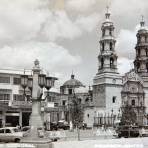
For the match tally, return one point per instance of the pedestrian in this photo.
(83, 125)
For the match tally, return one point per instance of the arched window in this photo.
(139, 53)
(102, 63)
(80, 100)
(138, 39)
(111, 46)
(110, 32)
(111, 62)
(141, 104)
(145, 39)
(138, 66)
(146, 52)
(70, 91)
(133, 102)
(103, 46)
(147, 66)
(87, 99)
(103, 33)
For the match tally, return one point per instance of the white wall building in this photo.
(12, 103)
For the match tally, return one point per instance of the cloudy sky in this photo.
(64, 34)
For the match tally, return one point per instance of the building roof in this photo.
(54, 90)
(15, 71)
(73, 82)
(81, 90)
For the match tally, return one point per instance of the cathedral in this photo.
(111, 91)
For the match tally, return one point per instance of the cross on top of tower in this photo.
(107, 8)
(142, 23)
(107, 14)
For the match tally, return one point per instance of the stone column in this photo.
(3, 118)
(20, 119)
(35, 118)
(63, 115)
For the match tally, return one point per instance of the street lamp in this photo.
(49, 82)
(24, 83)
(36, 83)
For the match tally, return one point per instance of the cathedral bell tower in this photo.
(107, 57)
(107, 83)
(141, 61)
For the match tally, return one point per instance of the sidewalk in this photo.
(108, 143)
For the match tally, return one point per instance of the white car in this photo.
(144, 131)
(10, 134)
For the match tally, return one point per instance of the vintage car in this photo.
(10, 134)
(53, 126)
(143, 131)
(62, 124)
(127, 131)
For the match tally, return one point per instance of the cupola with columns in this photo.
(107, 57)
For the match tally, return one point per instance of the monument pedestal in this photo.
(34, 139)
(36, 136)
(38, 143)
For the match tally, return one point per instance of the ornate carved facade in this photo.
(133, 95)
(141, 60)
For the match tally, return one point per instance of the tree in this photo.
(76, 111)
(128, 116)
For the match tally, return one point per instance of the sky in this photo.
(64, 34)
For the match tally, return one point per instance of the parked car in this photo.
(144, 131)
(127, 131)
(53, 126)
(25, 130)
(62, 124)
(10, 134)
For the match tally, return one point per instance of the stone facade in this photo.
(74, 88)
(14, 108)
(133, 95)
(141, 60)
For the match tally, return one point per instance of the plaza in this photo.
(74, 73)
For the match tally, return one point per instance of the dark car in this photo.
(53, 126)
(62, 124)
(127, 131)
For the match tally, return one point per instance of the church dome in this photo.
(73, 82)
(81, 90)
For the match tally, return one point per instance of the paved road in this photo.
(84, 134)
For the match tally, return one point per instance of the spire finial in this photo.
(142, 23)
(72, 75)
(107, 14)
(89, 87)
(24, 71)
(107, 8)
(36, 63)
